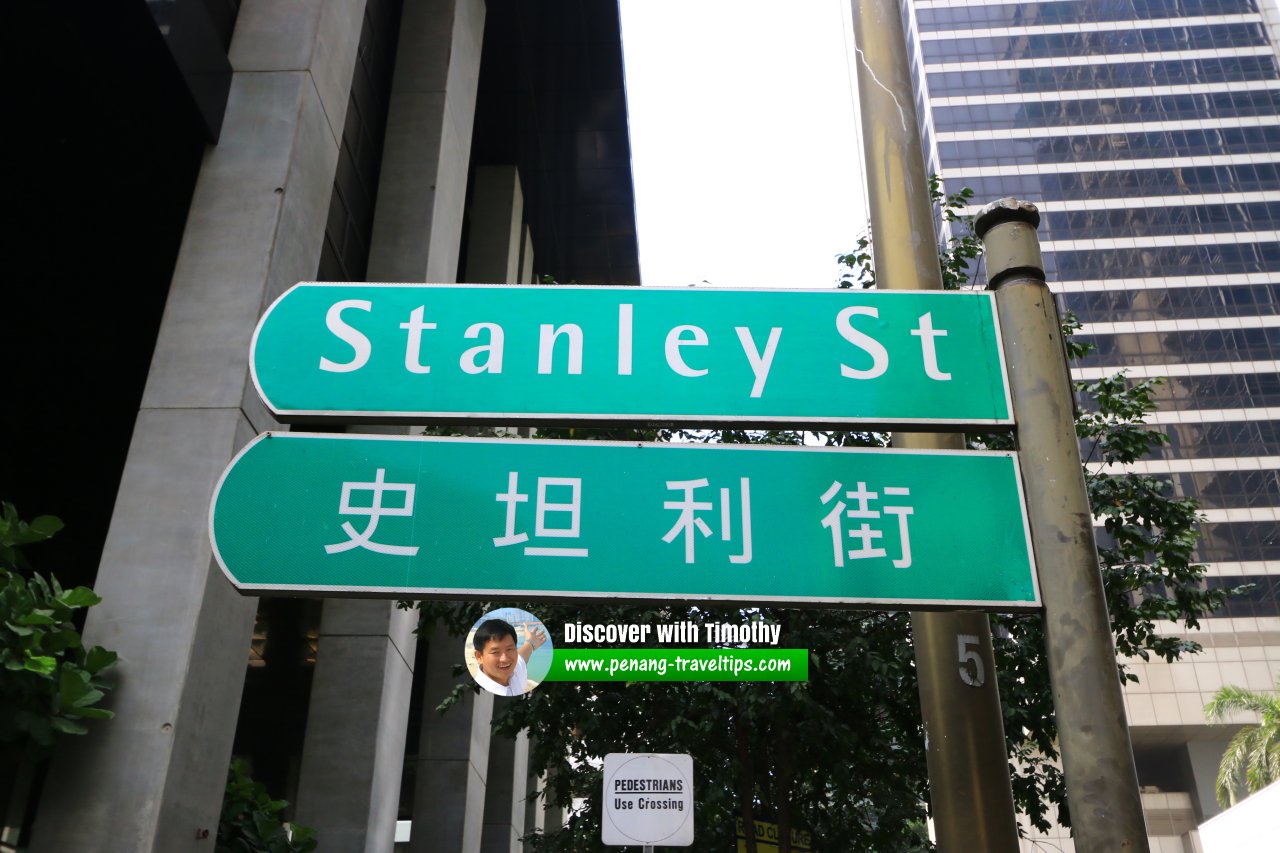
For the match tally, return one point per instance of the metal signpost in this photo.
(970, 791)
(524, 354)
(394, 516)
(1088, 701)
(648, 800)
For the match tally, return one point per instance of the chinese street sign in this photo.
(474, 518)
(648, 799)
(572, 354)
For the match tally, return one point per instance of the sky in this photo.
(745, 155)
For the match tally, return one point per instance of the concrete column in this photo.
(526, 257)
(453, 756)
(505, 793)
(151, 780)
(1204, 756)
(428, 143)
(534, 818)
(552, 818)
(417, 232)
(353, 756)
(493, 255)
(497, 210)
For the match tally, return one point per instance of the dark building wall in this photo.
(552, 101)
(105, 141)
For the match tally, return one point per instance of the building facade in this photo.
(1148, 134)
(182, 164)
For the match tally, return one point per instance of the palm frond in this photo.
(1231, 698)
(1231, 770)
(1252, 758)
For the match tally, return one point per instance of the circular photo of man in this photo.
(508, 651)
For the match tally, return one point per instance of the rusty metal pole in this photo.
(1097, 758)
(969, 779)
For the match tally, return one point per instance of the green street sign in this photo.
(572, 354)
(401, 517)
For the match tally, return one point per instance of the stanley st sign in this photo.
(522, 354)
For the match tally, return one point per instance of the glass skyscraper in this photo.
(1148, 134)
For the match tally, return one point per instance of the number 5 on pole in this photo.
(969, 653)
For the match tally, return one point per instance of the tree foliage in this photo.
(251, 820)
(838, 755)
(1252, 759)
(843, 755)
(50, 684)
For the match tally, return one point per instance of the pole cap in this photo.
(1005, 210)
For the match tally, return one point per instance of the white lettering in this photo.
(624, 339)
(413, 350)
(347, 334)
(493, 349)
(547, 344)
(577, 632)
(864, 342)
(675, 340)
(926, 333)
(759, 364)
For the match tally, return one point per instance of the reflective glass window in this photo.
(1182, 260)
(1262, 598)
(1218, 440)
(1148, 108)
(1069, 78)
(1256, 540)
(1242, 300)
(1185, 347)
(1093, 43)
(1083, 11)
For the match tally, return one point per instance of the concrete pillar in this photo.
(453, 756)
(552, 818)
(1205, 755)
(353, 756)
(534, 817)
(490, 803)
(526, 258)
(417, 231)
(504, 799)
(497, 210)
(493, 255)
(151, 780)
(428, 143)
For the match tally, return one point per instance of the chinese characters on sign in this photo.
(689, 521)
(455, 517)
(374, 511)
(689, 524)
(864, 533)
(573, 509)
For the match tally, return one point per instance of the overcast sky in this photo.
(744, 140)
(745, 154)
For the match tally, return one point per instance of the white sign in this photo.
(648, 799)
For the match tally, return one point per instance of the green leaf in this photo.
(41, 664)
(62, 724)
(89, 698)
(44, 526)
(97, 659)
(81, 596)
(91, 713)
